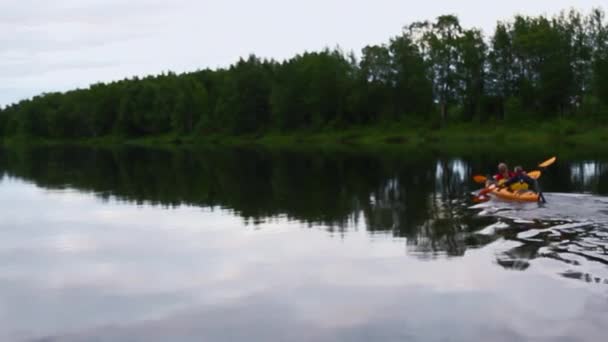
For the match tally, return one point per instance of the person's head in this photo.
(503, 168)
(518, 169)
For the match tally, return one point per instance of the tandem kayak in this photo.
(514, 194)
(518, 196)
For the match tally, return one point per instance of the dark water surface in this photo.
(219, 244)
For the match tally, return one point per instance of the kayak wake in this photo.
(569, 234)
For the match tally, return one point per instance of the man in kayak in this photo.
(520, 181)
(502, 176)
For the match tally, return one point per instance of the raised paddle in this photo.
(548, 163)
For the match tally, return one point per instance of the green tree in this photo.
(442, 48)
(500, 79)
(413, 91)
(471, 71)
(312, 90)
(243, 104)
(378, 75)
(598, 35)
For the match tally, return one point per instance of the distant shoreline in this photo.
(568, 135)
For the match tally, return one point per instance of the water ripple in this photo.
(570, 229)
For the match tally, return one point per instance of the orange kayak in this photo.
(519, 196)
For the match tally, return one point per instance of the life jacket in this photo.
(521, 185)
(500, 179)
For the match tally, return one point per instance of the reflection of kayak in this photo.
(519, 196)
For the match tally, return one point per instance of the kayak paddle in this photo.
(481, 196)
(548, 163)
(544, 165)
(480, 179)
(534, 174)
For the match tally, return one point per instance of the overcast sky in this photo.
(63, 44)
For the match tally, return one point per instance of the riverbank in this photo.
(457, 136)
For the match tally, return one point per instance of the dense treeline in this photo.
(530, 69)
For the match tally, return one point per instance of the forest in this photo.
(434, 73)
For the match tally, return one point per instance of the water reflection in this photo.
(416, 196)
(277, 245)
(396, 195)
(588, 174)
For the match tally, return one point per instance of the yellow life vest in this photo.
(519, 186)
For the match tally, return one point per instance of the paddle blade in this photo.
(535, 174)
(482, 195)
(480, 199)
(548, 162)
(480, 179)
(487, 190)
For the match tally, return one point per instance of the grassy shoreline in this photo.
(473, 136)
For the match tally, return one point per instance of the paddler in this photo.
(502, 176)
(520, 181)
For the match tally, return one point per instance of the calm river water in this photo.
(217, 244)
